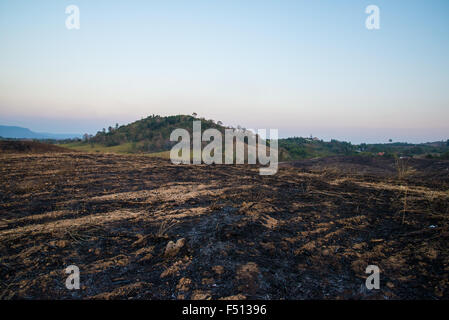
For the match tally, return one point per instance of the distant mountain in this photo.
(25, 133)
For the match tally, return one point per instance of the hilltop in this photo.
(152, 135)
(148, 135)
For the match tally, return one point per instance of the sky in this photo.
(302, 67)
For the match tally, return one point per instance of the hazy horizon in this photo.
(302, 67)
(362, 135)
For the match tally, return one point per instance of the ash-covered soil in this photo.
(27, 146)
(143, 228)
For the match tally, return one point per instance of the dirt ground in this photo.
(27, 146)
(142, 228)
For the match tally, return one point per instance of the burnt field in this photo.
(141, 228)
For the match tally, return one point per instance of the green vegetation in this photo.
(151, 136)
(303, 148)
(97, 147)
(404, 149)
(148, 135)
(445, 156)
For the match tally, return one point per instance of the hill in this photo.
(151, 135)
(15, 132)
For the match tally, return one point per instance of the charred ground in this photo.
(29, 146)
(307, 232)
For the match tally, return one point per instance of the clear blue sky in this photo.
(303, 67)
